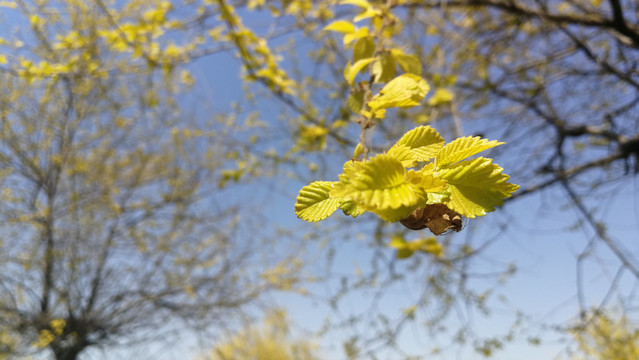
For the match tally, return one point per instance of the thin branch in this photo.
(568, 174)
(595, 20)
(622, 254)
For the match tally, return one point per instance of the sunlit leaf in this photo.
(426, 179)
(383, 70)
(398, 242)
(403, 249)
(349, 38)
(341, 26)
(349, 207)
(380, 186)
(409, 63)
(359, 3)
(463, 147)
(404, 154)
(363, 48)
(351, 71)
(355, 100)
(476, 186)
(393, 215)
(424, 142)
(314, 202)
(359, 150)
(429, 245)
(440, 97)
(403, 91)
(368, 13)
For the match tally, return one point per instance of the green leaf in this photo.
(351, 71)
(404, 253)
(438, 197)
(409, 63)
(403, 249)
(341, 26)
(424, 141)
(427, 180)
(441, 96)
(362, 32)
(428, 245)
(363, 48)
(349, 207)
(383, 70)
(404, 154)
(462, 148)
(355, 100)
(403, 91)
(359, 150)
(434, 186)
(359, 3)
(379, 185)
(393, 215)
(314, 202)
(398, 242)
(476, 186)
(368, 13)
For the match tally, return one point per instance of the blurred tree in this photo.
(271, 341)
(604, 338)
(110, 218)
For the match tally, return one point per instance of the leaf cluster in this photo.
(418, 170)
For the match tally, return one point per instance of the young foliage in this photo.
(314, 202)
(406, 249)
(404, 91)
(270, 341)
(386, 185)
(606, 337)
(420, 181)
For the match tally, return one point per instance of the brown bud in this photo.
(438, 218)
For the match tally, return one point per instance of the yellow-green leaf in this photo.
(426, 179)
(383, 70)
(398, 242)
(409, 63)
(314, 202)
(424, 141)
(379, 184)
(440, 97)
(352, 70)
(403, 249)
(341, 26)
(404, 155)
(355, 100)
(363, 48)
(362, 32)
(463, 147)
(359, 150)
(393, 215)
(349, 207)
(428, 245)
(359, 3)
(403, 91)
(476, 186)
(368, 13)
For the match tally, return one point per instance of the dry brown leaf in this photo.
(438, 218)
